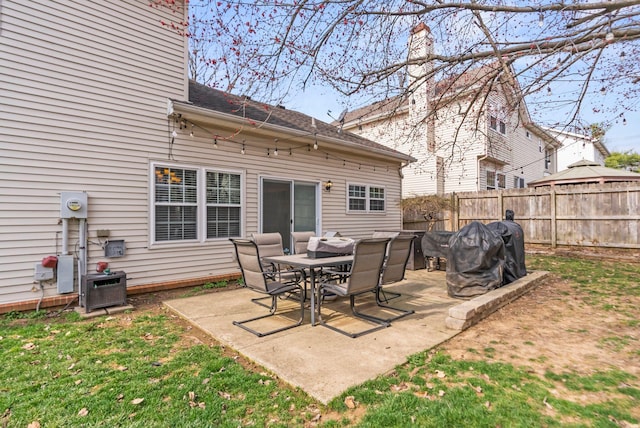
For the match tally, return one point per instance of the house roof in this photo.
(599, 145)
(261, 116)
(449, 87)
(452, 85)
(585, 171)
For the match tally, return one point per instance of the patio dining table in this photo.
(311, 265)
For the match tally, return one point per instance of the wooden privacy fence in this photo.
(593, 215)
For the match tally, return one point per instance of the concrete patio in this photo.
(324, 363)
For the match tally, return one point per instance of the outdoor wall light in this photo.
(328, 185)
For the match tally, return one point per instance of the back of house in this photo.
(108, 156)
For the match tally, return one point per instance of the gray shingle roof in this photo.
(212, 99)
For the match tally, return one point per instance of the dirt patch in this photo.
(552, 329)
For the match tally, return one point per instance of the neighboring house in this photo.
(109, 153)
(576, 147)
(584, 172)
(467, 131)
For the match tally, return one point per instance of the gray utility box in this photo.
(416, 258)
(100, 290)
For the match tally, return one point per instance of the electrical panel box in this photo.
(65, 274)
(73, 205)
(42, 273)
(114, 248)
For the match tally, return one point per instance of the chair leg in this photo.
(387, 295)
(258, 300)
(403, 312)
(272, 312)
(379, 323)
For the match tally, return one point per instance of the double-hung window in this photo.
(194, 204)
(491, 180)
(223, 204)
(176, 204)
(366, 198)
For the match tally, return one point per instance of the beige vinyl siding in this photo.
(84, 97)
(308, 166)
(84, 88)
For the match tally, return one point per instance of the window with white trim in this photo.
(366, 198)
(223, 204)
(180, 194)
(491, 180)
(502, 181)
(497, 125)
(518, 182)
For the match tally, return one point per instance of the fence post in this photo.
(500, 205)
(455, 214)
(554, 226)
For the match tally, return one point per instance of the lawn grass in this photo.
(106, 372)
(140, 369)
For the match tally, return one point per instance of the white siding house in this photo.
(462, 142)
(576, 147)
(95, 100)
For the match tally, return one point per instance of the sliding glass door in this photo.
(288, 206)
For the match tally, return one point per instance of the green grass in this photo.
(137, 370)
(208, 286)
(51, 372)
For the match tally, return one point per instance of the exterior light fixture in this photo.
(328, 185)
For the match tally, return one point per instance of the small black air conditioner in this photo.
(103, 290)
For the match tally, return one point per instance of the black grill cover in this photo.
(436, 244)
(476, 261)
(513, 238)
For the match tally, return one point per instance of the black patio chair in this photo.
(362, 277)
(258, 280)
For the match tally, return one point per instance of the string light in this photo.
(191, 133)
(540, 19)
(185, 124)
